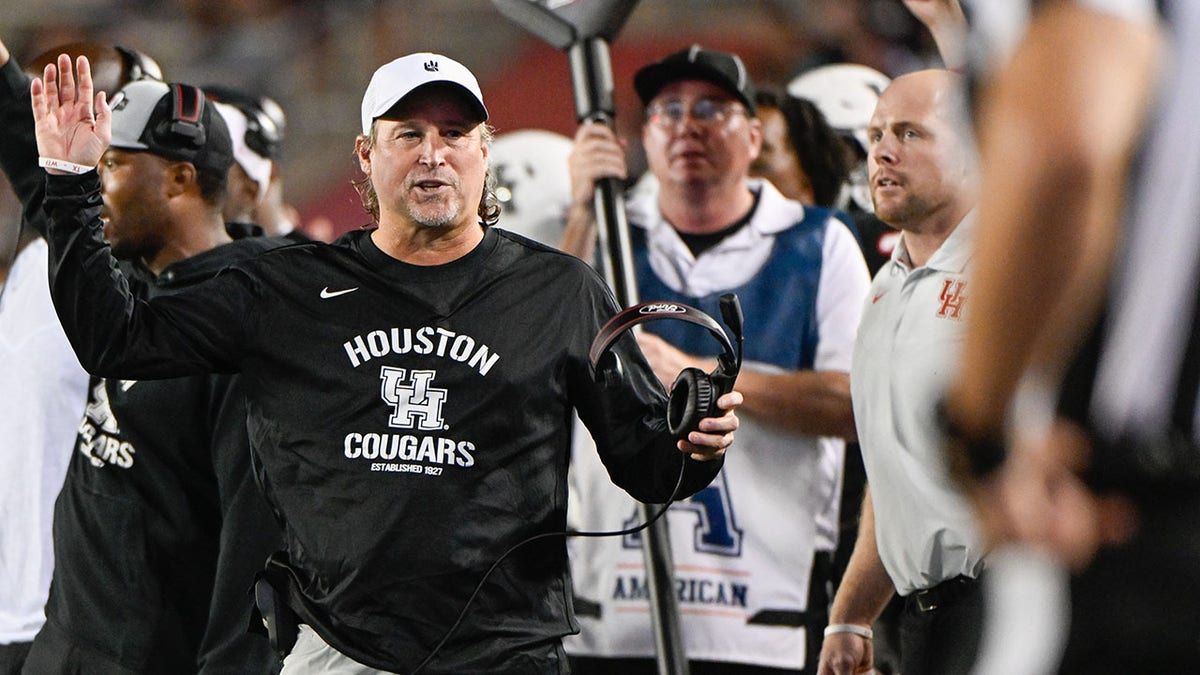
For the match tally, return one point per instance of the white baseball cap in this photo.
(397, 79)
(257, 167)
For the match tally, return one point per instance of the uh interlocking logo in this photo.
(952, 298)
(415, 404)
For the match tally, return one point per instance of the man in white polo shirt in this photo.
(917, 536)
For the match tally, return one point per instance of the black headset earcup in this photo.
(184, 127)
(692, 397)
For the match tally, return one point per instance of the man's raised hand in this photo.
(71, 121)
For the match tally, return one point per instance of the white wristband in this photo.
(853, 628)
(63, 165)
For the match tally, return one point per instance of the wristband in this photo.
(852, 628)
(64, 165)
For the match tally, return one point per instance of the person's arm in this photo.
(814, 401)
(596, 154)
(249, 534)
(947, 24)
(865, 590)
(1057, 128)
(18, 146)
(802, 401)
(626, 413)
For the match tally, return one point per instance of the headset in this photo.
(265, 119)
(265, 123)
(694, 393)
(138, 66)
(183, 127)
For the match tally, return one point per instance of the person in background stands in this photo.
(917, 535)
(257, 125)
(159, 488)
(756, 546)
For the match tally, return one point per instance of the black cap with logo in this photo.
(697, 63)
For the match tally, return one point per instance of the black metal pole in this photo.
(583, 29)
(591, 77)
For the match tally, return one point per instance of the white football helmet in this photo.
(533, 183)
(846, 94)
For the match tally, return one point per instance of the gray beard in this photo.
(443, 220)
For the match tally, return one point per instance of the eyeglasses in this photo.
(706, 111)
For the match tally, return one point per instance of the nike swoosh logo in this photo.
(876, 298)
(326, 293)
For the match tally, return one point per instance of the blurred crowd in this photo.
(314, 57)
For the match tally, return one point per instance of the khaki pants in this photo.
(312, 656)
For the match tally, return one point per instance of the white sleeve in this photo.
(1140, 11)
(996, 27)
(842, 288)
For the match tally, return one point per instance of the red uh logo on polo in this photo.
(952, 299)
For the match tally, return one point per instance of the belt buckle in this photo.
(926, 602)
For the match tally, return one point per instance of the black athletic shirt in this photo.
(159, 527)
(411, 422)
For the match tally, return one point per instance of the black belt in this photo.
(943, 594)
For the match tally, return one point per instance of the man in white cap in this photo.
(250, 175)
(256, 126)
(409, 387)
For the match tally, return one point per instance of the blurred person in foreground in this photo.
(409, 387)
(1082, 353)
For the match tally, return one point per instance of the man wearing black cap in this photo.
(409, 387)
(159, 528)
(753, 550)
